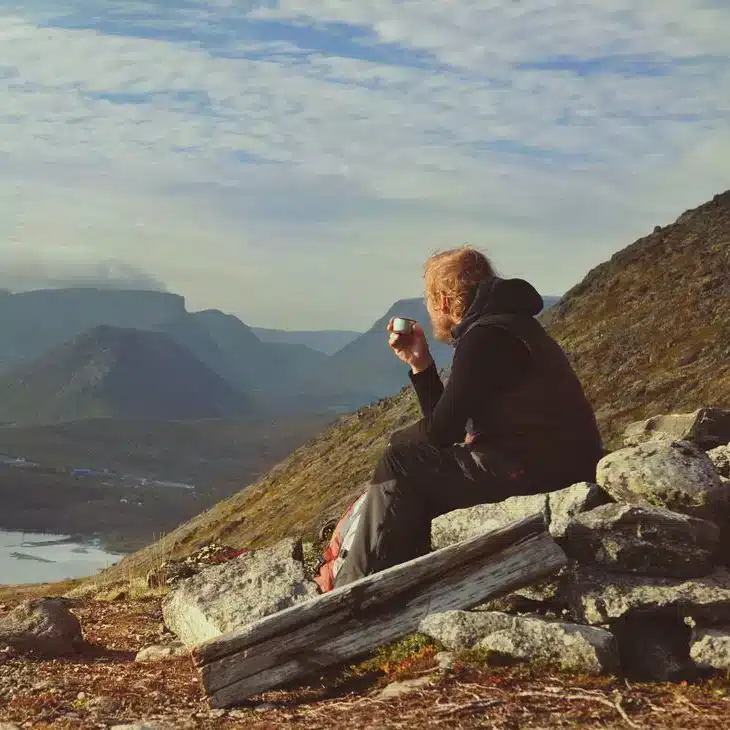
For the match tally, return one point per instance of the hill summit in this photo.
(114, 372)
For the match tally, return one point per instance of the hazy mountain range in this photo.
(69, 354)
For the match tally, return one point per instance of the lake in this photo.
(29, 557)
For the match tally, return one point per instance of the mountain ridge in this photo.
(113, 372)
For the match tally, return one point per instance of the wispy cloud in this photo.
(238, 150)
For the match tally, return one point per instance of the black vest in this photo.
(546, 424)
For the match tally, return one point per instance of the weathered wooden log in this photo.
(380, 608)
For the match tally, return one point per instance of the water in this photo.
(29, 557)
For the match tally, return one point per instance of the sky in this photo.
(294, 162)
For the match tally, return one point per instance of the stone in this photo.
(565, 504)
(161, 652)
(705, 427)
(558, 508)
(463, 524)
(654, 648)
(42, 626)
(675, 475)
(9, 726)
(230, 596)
(648, 540)
(151, 725)
(397, 689)
(458, 630)
(584, 649)
(710, 648)
(720, 458)
(599, 597)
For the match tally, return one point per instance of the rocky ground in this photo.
(104, 687)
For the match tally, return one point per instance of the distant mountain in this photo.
(33, 322)
(111, 372)
(326, 341)
(231, 349)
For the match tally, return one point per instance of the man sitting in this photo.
(531, 428)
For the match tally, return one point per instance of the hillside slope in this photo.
(649, 332)
(111, 372)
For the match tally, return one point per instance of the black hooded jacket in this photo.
(514, 384)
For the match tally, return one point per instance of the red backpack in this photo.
(339, 545)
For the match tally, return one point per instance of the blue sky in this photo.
(294, 162)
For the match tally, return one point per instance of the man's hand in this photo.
(411, 348)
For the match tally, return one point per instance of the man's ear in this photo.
(444, 304)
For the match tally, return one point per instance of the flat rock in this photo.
(161, 652)
(710, 648)
(558, 508)
(720, 458)
(41, 626)
(458, 630)
(648, 540)
(674, 475)
(600, 597)
(230, 596)
(705, 427)
(584, 649)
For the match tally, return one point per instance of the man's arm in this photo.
(487, 362)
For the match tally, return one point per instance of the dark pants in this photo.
(413, 483)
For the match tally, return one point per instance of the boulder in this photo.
(565, 504)
(648, 540)
(584, 649)
(230, 596)
(710, 648)
(705, 427)
(558, 507)
(599, 597)
(458, 630)
(581, 648)
(720, 458)
(42, 626)
(675, 475)
(462, 524)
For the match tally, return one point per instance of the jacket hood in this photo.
(500, 296)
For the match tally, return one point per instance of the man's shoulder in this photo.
(502, 327)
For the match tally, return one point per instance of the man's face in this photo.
(441, 322)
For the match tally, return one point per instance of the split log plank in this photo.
(380, 608)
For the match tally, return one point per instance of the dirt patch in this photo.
(104, 686)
